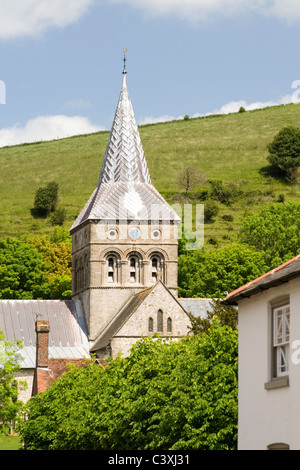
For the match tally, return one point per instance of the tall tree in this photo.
(10, 406)
(178, 396)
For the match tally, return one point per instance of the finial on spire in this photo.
(124, 59)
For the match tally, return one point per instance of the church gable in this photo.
(151, 311)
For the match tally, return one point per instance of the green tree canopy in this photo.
(274, 231)
(35, 268)
(284, 150)
(210, 273)
(180, 396)
(22, 270)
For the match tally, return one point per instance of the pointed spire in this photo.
(124, 159)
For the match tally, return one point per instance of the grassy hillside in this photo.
(231, 148)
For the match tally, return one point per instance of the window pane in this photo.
(282, 360)
(281, 325)
(159, 321)
(169, 325)
(150, 325)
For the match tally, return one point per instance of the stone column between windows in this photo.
(124, 274)
(146, 274)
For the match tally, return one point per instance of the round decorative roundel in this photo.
(134, 233)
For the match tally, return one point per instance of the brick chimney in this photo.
(43, 375)
(42, 328)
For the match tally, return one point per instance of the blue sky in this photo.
(61, 61)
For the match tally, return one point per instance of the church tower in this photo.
(125, 238)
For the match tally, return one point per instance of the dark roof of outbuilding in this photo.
(68, 336)
(283, 273)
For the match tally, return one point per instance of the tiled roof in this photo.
(283, 273)
(68, 334)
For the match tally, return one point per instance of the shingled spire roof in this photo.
(124, 159)
(124, 190)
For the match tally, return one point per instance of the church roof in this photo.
(68, 336)
(124, 189)
(196, 306)
(129, 307)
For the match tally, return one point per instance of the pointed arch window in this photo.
(169, 325)
(159, 321)
(150, 325)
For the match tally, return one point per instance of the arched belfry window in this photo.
(157, 268)
(134, 268)
(112, 268)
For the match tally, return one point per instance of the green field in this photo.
(231, 148)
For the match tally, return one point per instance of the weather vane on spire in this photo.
(124, 50)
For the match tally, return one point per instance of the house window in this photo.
(159, 321)
(281, 340)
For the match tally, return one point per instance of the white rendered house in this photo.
(269, 359)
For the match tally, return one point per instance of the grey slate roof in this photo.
(124, 190)
(283, 273)
(197, 307)
(68, 334)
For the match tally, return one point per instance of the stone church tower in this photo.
(124, 239)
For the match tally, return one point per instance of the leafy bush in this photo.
(46, 199)
(59, 216)
(224, 194)
(284, 151)
(227, 217)
(210, 210)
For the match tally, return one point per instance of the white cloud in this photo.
(31, 17)
(201, 9)
(46, 128)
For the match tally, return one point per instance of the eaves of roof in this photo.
(279, 275)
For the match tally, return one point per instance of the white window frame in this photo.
(281, 339)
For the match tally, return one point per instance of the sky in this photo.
(61, 61)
